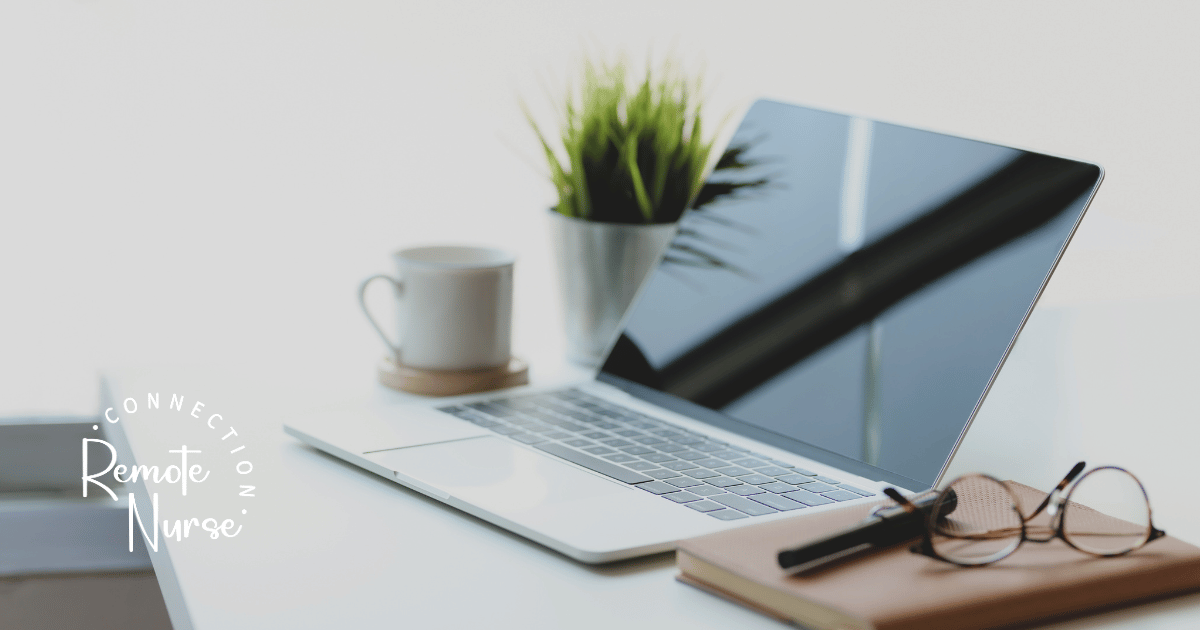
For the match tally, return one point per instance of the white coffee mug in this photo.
(454, 310)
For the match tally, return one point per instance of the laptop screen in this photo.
(858, 293)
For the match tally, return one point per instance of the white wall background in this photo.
(206, 182)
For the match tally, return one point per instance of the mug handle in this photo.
(362, 301)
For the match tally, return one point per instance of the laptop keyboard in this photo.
(716, 478)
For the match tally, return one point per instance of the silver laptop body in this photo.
(822, 334)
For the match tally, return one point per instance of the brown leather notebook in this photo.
(895, 589)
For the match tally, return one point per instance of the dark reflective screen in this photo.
(861, 300)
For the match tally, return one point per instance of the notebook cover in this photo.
(899, 590)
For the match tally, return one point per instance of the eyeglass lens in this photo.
(1107, 513)
(982, 524)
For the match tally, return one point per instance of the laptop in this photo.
(822, 333)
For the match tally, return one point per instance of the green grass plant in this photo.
(631, 152)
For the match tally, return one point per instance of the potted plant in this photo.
(629, 159)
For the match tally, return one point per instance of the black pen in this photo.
(885, 527)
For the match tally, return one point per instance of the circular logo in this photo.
(214, 471)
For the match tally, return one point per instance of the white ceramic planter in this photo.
(600, 267)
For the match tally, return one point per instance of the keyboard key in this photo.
(689, 455)
(641, 466)
(505, 430)
(708, 447)
(577, 442)
(705, 506)
(827, 479)
(688, 440)
(557, 435)
(595, 435)
(794, 479)
(679, 465)
(772, 471)
(621, 458)
(742, 504)
(684, 482)
(745, 490)
(841, 495)
(628, 433)
(778, 487)
(722, 482)
(637, 450)
(857, 491)
(525, 403)
(671, 448)
(617, 442)
(778, 502)
(748, 462)
(608, 469)
(682, 497)
(710, 462)
(727, 454)
(599, 450)
(818, 487)
(807, 498)
(781, 464)
(668, 433)
(528, 438)
(649, 440)
(706, 491)
(701, 473)
(658, 458)
(802, 471)
(605, 424)
(755, 479)
(662, 474)
(733, 471)
(657, 487)
(727, 515)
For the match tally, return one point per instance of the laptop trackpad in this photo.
(492, 473)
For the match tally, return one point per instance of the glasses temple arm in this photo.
(1078, 468)
(895, 495)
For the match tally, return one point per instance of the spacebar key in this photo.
(608, 469)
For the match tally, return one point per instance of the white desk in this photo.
(208, 181)
(330, 545)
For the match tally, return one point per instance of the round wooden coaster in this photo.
(451, 382)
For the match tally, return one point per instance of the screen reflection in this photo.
(862, 299)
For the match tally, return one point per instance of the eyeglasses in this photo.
(977, 519)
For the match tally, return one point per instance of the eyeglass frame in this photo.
(1057, 512)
